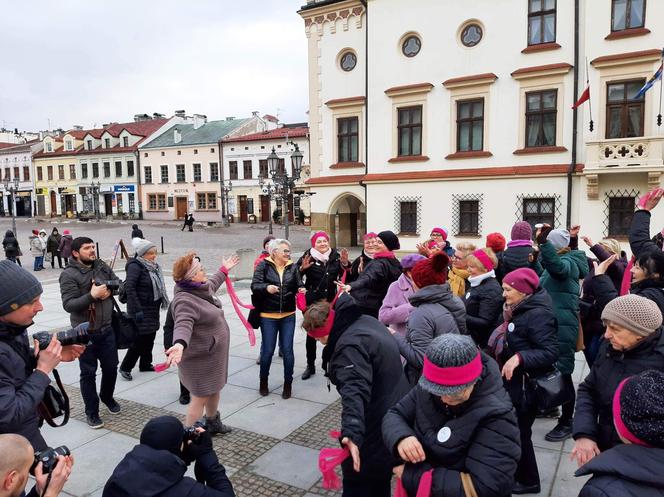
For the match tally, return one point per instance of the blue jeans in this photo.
(285, 329)
(102, 348)
(39, 263)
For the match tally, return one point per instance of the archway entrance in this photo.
(347, 220)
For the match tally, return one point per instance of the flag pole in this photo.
(590, 104)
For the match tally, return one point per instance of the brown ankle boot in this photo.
(262, 389)
(286, 394)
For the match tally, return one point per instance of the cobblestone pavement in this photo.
(273, 448)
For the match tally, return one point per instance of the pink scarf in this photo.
(319, 256)
(237, 303)
(328, 460)
(423, 489)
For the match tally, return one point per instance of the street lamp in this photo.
(225, 190)
(12, 189)
(95, 187)
(269, 190)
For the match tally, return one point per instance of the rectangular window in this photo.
(212, 150)
(107, 169)
(132, 203)
(541, 21)
(26, 173)
(164, 174)
(61, 171)
(627, 14)
(161, 201)
(69, 145)
(107, 143)
(89, 144)
(179, 173)
(49, 147)
(200, 201)
(621, 210)
(118, 169)
(130, 168)
(17, 173)
(152, 202)
(262, 168)
(348, 139)
(469, 217)
(408, 217)
(247, 169)
(49, 171)
(84, 171)
(541, 111)
(250, 205)
(539, 210)
(212, 201)
(195, 151)
(232, 170)
(95, 169)
(197, 172)
(72, 171)
(214, 171)
(125, 141)
(147, 171)
(40, 174)
(410, 131)
(624, 115)
(470, 125)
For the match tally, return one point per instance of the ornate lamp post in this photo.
(12, 189)
(94, 188)
(225, 190)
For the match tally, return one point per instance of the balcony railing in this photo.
(624, 153)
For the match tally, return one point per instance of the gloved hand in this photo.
(138, 317)
(543, 234)
(196, 448)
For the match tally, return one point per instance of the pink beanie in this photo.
(369, 235)
(317, 235)
(524, 280)
(441, 231)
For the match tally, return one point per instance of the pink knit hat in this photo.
(369, 235)
(524, 280)
(317, 235)
(441, 231)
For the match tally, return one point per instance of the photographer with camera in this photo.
(86, 287)
(24, 373)
(17, 459)
(157, 466)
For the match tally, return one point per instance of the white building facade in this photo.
(468, 112)
(16, 162)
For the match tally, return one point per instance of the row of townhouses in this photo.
(459, 114)
(153, 168)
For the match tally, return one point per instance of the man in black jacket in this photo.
(157, 465)
(86, 297)
(24, 374)
(363, 362)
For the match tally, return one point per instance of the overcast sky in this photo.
(90, 62)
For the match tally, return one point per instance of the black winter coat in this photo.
(370, 288)
(514, 258)
(534, 337)
(21, 386)
(484, 306)
(625, 471)
(147, 472)
(140, 297)
(266, 274)
(362, 260)
(363, 362)
(484, 439)
(10, 244)
(319, 278)
(593, 417)
(639, 234)
(605, 291)
(53, 243)
(136, 233)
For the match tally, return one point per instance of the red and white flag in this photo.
(584, 96)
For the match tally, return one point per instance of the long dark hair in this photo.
(653, 264)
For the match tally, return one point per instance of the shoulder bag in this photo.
(124, 327)
(550, 390)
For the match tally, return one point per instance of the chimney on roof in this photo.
(140, 117)
(157, 115)
(78, 127)
(177, 136)
(199, 120)
(180, 113)
(230, 118)
(255, 113)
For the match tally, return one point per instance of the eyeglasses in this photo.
(436, 235)
(285, 251)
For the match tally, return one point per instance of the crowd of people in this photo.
(443, 358)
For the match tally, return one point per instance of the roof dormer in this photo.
(107, 140)
(49, 144)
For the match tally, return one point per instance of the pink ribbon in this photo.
(235, 300)
(399, 491)
(301, 301)
(328, 460)
(627, 278)
(423, 489)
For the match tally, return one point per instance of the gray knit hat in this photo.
(638, 314)
(558, 238)
(141, 246)
(450, 351)
(19, 287)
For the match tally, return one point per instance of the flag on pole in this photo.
(649, 84)
(584, 97)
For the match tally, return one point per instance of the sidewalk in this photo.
(273, 449)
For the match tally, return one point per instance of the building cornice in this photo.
(345, 102)
(627, 58)
(331, 12)
(542, 71)
(486, 78)
(414, 89)
(342, 179)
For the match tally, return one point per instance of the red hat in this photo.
(317, 235)
(35, 232)
(431, 271)
(495, 241)
(66, 232)
(441, 231)
(524, 280)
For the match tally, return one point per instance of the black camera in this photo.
(112, 285)
(49, 458)
(73, 336)
(191, 432)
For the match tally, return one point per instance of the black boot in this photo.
(309, 372)
(262, 389)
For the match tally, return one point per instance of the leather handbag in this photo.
(55, 403)
(254, 317)
(550, 390)
(124, 328)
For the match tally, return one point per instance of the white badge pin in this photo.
(510, 327)
(467, 295)
(444, 434)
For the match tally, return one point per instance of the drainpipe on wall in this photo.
(366, 104)
(224, 217)
(575, 115)
(139, 190)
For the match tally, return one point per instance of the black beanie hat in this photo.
(390, 240)
(19, 287)
(164, 433)
(642, 407)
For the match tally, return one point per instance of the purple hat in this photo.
(409, 261)
(522, 231)
(524, 280)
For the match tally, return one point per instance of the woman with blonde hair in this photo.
(484, 300)
(458, 275)
(201, 338)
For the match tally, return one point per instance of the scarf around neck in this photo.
(457, 280)
(477, 280)
(320, 256)
(157, 278)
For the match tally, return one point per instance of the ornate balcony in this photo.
(645, 153)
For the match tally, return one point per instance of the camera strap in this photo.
(55, 403)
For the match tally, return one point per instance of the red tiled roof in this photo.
(274, 134)
(6, 145)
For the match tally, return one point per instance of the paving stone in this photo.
(565, 482)
(315, 432)
(247, 484)
(74, 434)
(288, 463)
(547, 463)
(241, 447)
